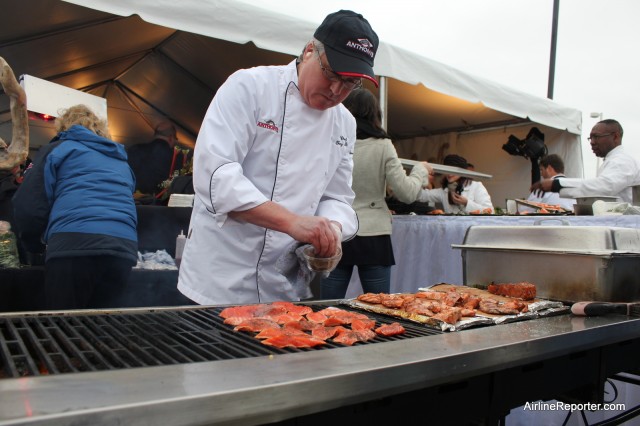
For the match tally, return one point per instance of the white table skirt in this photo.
(422, 245)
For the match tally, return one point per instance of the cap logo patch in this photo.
(363, 45)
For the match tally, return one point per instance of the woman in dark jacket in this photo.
(78, 198)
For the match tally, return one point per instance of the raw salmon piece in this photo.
(343, 316)
(285, 318)
(284, 340)
(325, 333)
(390, 329)
(268, 333)
(246, 311)
(293, 308)
(334, 321)
(360, 324)
(316, 317)
(349, 337)
(256, 325)
(235, 320)
(302, 325)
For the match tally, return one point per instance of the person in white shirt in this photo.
(551, 167)
(459, 195)
(615, 177)
(272, 168)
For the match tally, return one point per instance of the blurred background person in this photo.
(615, 177)
(156, 161)
(551, 167)
(375, 166)
(78, 198)
(459, 194)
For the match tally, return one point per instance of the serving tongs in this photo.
(534, 205)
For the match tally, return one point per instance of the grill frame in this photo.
(268, 389)
(63, 343)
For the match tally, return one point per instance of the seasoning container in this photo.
(180, 242)
(8, 247)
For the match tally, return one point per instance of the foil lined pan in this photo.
(536, 309)
(466, 322)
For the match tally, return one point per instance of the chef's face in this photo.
(603, 138)
(318, 91)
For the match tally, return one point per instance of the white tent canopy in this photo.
(171, 62)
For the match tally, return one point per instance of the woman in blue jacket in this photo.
(78, 199)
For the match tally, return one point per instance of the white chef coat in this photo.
(552, 198)
(615, 177)
(260, 141)
(477, 196)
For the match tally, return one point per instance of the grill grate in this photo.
(57, 344)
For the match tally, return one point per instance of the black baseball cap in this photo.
(350, 44)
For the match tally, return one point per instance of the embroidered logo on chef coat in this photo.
(342, 141)
(269, 125)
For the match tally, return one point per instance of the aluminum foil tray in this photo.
(537, 308)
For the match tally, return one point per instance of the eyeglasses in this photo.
(596, 137)
(332, 76)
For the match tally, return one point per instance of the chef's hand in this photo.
(540, 187)
(324, 235)
(458, 199)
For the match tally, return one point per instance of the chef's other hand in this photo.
(458, 199)
(539, 188)
(320, 232)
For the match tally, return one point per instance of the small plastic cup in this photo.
(321, 264)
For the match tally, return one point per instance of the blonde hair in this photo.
(83, 116)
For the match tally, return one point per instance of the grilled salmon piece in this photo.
(522, 290)
(375, 298)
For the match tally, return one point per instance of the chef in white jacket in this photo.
(272, 166)
(615, 177)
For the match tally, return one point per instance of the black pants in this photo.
(88, 282)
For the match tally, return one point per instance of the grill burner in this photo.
(56, 344)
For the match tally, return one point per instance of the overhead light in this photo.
(40, 116)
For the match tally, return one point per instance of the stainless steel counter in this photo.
(268, 389)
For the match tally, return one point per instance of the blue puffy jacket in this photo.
(78, 197)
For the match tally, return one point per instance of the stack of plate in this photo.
(181, 200)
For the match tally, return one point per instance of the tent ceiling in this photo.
(148, 72)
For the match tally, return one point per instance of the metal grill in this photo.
(56, 344)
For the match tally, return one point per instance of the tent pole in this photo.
(554, 41)
(383, 100)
